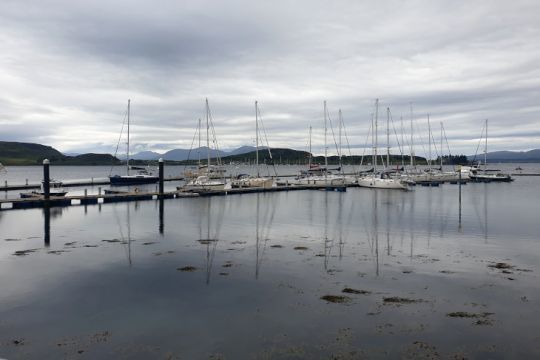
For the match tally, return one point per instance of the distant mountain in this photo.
(16, 153)
(510, 156)
(245, 150)
(184, 154)
(146, 155)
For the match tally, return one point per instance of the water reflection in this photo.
(263, 225)
(125, 239)
(47, 225)
(48, 213)
(212, 225)
(161, 214)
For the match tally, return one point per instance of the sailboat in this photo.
(254, 181)
(142, 176)
(204, 182)
(213, 172)
(316, 175)
(478, 175)
(379, 180)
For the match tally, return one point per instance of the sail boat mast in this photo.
(199, 148)
(388, 137)
(441, 145)
(257, 138)
(429, 141)
(402, 144)
(325, 146)
(340, 150)
(208, 134)
(485, 148)
(310, 155)
(128, 111)
(412, 138)
(375, 130)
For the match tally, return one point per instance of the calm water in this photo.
(103, 281)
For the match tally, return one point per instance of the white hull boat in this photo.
(378, 183)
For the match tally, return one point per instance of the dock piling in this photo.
(99, 190)
(85, 192)
(46, 179)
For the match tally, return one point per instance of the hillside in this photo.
(17, 153)
(509, 156)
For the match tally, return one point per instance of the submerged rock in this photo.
(464, 314)
(187, 268)
(338, 299)
(24, 252)
(300, 248)
(501, 266)
(355, 291)
(401, 300)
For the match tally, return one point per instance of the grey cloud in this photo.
(73, 65)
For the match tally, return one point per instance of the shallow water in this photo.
(251, 294)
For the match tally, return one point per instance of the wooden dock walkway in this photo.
(39, 202)
(72, 183)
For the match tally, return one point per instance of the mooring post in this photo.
(26, 181)
(99, 190)
(85, 192)
(46, 179)
(5, 183)
(161, 177)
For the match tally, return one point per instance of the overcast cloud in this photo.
(67, 69)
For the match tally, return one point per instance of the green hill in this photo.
(17, 153)
(295, 157)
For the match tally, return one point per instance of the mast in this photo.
(412, 139)
(208, 134)
(325, 147)
(340, 152)
(375, 130)
(388, 137)
(429, 142)
(402, 144)
(441, 145)
(199, 149)
(257, 137)
(309, 163)
(128, 111)
(485, 148)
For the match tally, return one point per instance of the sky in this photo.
(67, 69)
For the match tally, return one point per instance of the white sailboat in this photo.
(142, 176)
(379, 180)
(212, 171)
(204, 183)
(484, 175)
(317, 175)
(254, 181)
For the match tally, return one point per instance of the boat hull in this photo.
(377, 183)
(253, 183)
(132, 180)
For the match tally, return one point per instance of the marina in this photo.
(285, 180)
(374, 271)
